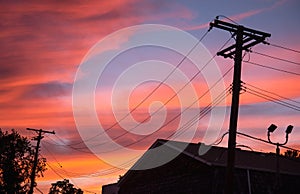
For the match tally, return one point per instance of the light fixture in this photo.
(272, 128)
(278, 144)
(289, 129)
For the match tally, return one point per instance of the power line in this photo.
(252, 138)
(62, 177)
(54, 171)
(272, 93)
(204, 112)
(195, 75)
(81, 149)
(96, 174)
(272, 99)
(185, 85)
(51, 155)
(58, 174)
(228, 18)
(189, 123)
(174, 118)
(185, 126)
(277, 102)
(64, 145)
(207, 91)
(217, 142)
(150, 94)
(244, 146)
(273, 68)
(39, 190)
(277, 58)
(265, 141)
(285, 48)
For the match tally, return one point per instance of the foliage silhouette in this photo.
(292, 154)
(64, 187)
(16, 162)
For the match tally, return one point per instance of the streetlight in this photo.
(271, 129)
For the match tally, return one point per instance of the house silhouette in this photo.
(191, 172)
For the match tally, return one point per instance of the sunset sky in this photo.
(44, 44)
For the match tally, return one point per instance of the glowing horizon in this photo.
(43, 45)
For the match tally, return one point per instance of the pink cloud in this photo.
(42, 45)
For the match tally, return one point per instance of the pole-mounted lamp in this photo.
(289, 129)
(271, 129)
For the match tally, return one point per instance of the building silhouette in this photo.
(189, 172)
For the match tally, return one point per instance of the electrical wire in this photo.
(174, 118)
(203, 113)
(265, 141)
(283, 47)
(44, 146)
(208, 108)
(55, 171)
(81, 149)
(188, 124)
(195, 75)
(39, 190)
(277, 102)
(223, 16)
(272, 93)
(62, 177)
(217, 142)
(169, 100)
(193, 103)
(277, 58)
(99, 173)
(273, 68)
(244, 146)
(182, 129)
(104, 172)
(272, 99)
(150, 94)
(65, 145)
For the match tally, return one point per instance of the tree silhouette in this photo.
(292, 153)
(64, 187)
(16, 161)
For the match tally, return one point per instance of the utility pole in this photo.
(38, 139)
(245, 38)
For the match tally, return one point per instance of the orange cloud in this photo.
(42, 45)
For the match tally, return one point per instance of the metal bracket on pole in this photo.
(250, 37)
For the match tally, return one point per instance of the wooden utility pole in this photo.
(245, 38)
(38, 139)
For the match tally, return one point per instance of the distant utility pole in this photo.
(245, 38)
(38, 139)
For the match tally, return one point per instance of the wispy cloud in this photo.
(240, 16)
(42, 44)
